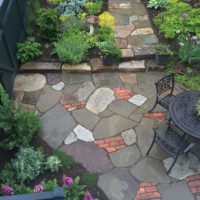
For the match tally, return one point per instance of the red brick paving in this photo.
(122, 93)
(160, 116)
(147, 191)
(194, 183)
(111, 144)
(75, 106)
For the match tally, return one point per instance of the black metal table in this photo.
(182, 111)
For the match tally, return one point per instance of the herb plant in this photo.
(157, 4)
(49, 185)
(198, 108)
(94, 8)
(105, 32)
(53, 164)
(163, 49)
(28, 50)
(106, 19)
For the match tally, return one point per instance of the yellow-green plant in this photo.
(198, 108)
(106, 19)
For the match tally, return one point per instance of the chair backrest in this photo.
(165, 84)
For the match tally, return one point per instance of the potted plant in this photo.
(163, 53)
(109, 52)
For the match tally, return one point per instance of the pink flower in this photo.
(6, 189)
(38, 188)
(88, 196)
(194, 38)
(68, 181)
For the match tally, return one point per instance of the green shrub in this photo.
(21, 189)
(94, 8)
(53, 164)
(7, 175)
(28, 164)
(172, 20)
(157, 4)
(18, 126)
(48, 22)
(28, 50)
(105, 33)
(49, 185)
(90, 179)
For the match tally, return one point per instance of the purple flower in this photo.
(6, 189)
(38, 188)
(194, 38)
(184, 15)
(68, 181)
(88, 196)
(188, 1)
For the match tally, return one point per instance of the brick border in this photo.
(75, 106)
(160, 116)
(123, 93)
(194, 183)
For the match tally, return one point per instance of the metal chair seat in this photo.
(165, 101)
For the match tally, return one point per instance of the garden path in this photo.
(102, 120)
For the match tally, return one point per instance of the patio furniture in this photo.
(164, 90)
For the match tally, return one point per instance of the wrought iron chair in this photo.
(171, 141)
(164, 91)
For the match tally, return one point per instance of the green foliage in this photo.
(18, 126)
(94, 8)
(28, 50)
(53, 164)
(7, 175)
(157, 4)
(90, 179)
(21, 189)
(105, 33)
(49, 185)
(171, 20)
(189, 50)
(28, 164)
(67, 161)
(55, 1)
(76, 191)
(198, 108)
(163, 49)
(48, 22)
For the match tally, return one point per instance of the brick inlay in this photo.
(160, 116)
(75, 106)
(194, 183)
(147, 191)
(122, 93)
(111, 144)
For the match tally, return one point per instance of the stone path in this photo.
(102, 120)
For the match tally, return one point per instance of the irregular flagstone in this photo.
(71, 78)
(150, 170)
(82, 67)
(99, 101)
(142, 31)
(29, 82)
(106, 113)
(85, 91)
(124, 31)
(86, 118)
(70, 138)
(175, 191)
(57, 123)
(53, 78)
(132, 65)
(127, 53)
(59, 86)
(138, 100)
(118, 184)
(125, 157)
(111, 126)
(129, 136)
(89, 155)
(48, 98)
(121, 43)
(150, 39)
(83, 134)
(121, 107)
(136, 117)
(142, 50)
(129, 78)
(31, 97)
(139, 9)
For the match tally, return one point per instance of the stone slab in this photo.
(105, 113)
(111, 126)
(31, 97)
(75, 78)
(118, 184)
(124, 31)
(70, 138)
(127, 53)
(59, 86)
(121, 43)
(57, 124)
(87, 154)
(144, 51)
(53, 78)
(82, 67)
(98, 66)
(132, 66)
(129, 137)
(129, 78)
(136, 117)
(138, 100)
(142, 31)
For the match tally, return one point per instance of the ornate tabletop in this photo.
(183, 112)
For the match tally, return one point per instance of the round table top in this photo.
(183, 112)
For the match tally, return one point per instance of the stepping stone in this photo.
(83, 134)
(111, 126)
(100, 99)
(150, 39)
(129, 137)
(53, 78)
(150, 170)
(98, 66)
(57, 123)
(85, 91)
(124, 31)
(93, 158)
(125, 157)
(40, 66)
(175, 191)
(71, 78)
(136, 117)
(138, 100)
(31, 97)
(129, 78)
(48, 98)
(121, 107)
(86, 118)
(118, 184)
(142, 31)
(105, 113)
(29, 82)
(132, 66)
(82, 67)
(143, 50)
(70, 138)
(121, 43)
(127, 53)
(58, 86)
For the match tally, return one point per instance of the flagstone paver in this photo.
(70, 78)
(132, 66)
(70, 138)
(138, 100)
(129, 137)
(53, 78)
(31, 97)
(129, 78)
(59, 86)
(82, 67)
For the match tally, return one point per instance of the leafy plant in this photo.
(55, 1)
(163, 49)
(49, 185)
(198, 108)
(105, 32)
(28, 50)
(106, 19)
(48, 22)
(94, 8)
(22, 189)
(53, 164)
(157, 4)
(18, 126)
(189, 50)
(7, 175)
(28, 164)
(90, 179)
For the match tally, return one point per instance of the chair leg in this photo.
(153, 106)
(151, 143)
(172, 164)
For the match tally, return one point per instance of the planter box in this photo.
(161, 59)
